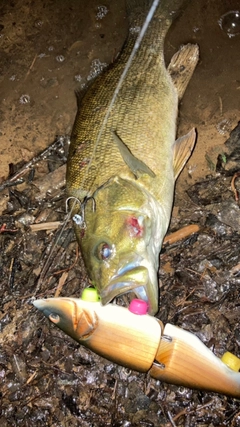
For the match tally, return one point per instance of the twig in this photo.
(183, 233)
(171, 419)
(235, 191)
(35, 397)
(45, 226)
(71, 266)
(31, 66)
(235, 269)
(61, 282)
(114, 390)
(183, 300)
(17, 177)
(193, 271)
(4, 229)
(189, 411)
(220, 105)
(31, 377)
(11, 273)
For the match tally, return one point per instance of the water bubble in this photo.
(38, 23)
(12, 78)
(191, 169)
(224, 127)
(2, 373)
(24, 99)
(196, 29)
(230, 23)
(102, 11)
(91, 378)
(51, 48)
(60, 58)
(77, 78)
(135, 30)
(96, 67)
(19, 368)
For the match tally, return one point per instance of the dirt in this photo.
(48, 51)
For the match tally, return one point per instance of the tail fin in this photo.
(166, 12)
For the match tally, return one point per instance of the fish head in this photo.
(73, 316)
(118, 243)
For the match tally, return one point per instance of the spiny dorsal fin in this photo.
(137, 166)
(182, 150)
(182, 66)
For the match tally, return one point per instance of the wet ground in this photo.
(49, 50)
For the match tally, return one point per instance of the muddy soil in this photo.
(50, 49)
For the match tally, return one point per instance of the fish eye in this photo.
(54, 317)
(104, 251)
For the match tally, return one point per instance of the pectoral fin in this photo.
(137, 166)
(182, 150)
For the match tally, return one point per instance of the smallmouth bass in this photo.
(122, 173)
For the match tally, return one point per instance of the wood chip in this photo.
(61, 282)
(183, 233)
(45, 226)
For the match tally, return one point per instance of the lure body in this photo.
(142, 343)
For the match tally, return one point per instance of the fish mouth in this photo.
(129, 279)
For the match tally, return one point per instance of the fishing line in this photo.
(110, 106)
(48, 261)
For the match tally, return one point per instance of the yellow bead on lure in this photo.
(122, 171)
